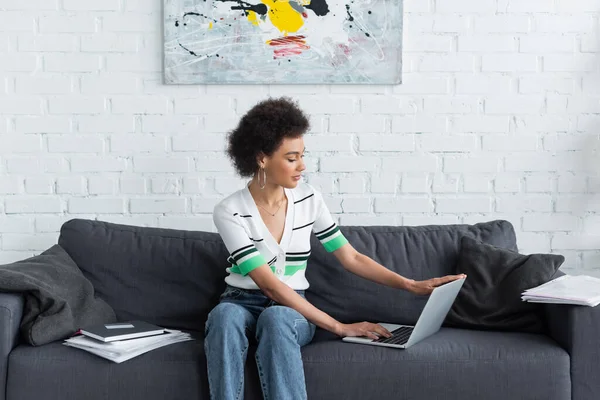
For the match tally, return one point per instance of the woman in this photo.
(266, 228)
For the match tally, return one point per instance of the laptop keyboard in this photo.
(399, 336)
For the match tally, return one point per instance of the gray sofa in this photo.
(173, 278)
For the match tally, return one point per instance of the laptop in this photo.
(403, 336)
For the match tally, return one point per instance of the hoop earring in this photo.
(264, 178)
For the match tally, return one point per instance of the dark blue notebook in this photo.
(122, 331)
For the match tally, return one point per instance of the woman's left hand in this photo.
(426, 287)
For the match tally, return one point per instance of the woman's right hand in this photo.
(367, 329)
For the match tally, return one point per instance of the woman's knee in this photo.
(278, 319)
(281, 322)
(227, 317)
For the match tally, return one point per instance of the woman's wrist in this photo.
(409, 285)
(338, 329)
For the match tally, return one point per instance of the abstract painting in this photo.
(283, 41)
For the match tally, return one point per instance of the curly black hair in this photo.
(262, 129)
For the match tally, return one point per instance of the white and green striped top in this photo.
(251, 245)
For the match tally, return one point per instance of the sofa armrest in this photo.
(577, 330)
(11, 311)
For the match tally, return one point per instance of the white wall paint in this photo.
(498, 117)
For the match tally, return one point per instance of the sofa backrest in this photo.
(415, 252)
(169, 277)
(174, 278)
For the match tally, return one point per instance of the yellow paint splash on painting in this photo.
(283, 16)
(253, 18)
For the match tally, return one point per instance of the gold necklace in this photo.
(268, 212)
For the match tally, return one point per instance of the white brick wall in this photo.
(497, 117)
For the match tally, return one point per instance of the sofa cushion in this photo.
(168, 277)
(177, 371)
(417, 252)
(452, 364)
(491, 295)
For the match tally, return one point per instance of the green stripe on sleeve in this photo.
(251, 264)
(335, 244)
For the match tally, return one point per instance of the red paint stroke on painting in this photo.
(288, 45)
(345, 48)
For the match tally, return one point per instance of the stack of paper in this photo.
(568, 289)
(124, 350)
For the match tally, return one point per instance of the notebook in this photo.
(121, 331)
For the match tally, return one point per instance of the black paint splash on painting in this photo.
(244, 6)
(351, 18)
(196, 55)
(319, 7)
(188, 50)
(198, 15)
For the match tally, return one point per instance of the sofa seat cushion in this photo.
(58, 372)
(449, 365)
(55, 371)
(454, 363)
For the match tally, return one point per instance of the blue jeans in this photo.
(280, 332)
